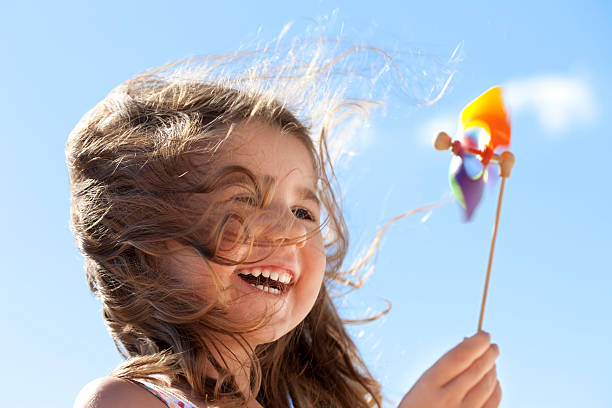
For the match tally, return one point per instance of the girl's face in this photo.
(285, 284)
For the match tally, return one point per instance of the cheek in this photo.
(315, 260)
(231, 245)
(206, 279)
(229, 235)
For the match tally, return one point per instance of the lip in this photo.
(247, 287)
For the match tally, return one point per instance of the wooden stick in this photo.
(486, 288)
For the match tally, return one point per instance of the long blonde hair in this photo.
(131, 168)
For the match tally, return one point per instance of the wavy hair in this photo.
(132, 165)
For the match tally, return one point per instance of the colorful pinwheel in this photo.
(483, 139)
(484, 133)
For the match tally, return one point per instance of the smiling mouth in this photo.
(265, 281)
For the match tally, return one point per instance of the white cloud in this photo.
(560, 103)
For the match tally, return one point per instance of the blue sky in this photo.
(551, 291)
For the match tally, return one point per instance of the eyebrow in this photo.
(308, 194)
(304, 193)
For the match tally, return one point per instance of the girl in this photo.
(206, 213)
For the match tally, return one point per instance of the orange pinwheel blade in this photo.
(489, 112)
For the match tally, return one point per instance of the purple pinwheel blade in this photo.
(466, 183)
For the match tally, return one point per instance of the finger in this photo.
(495, 398)
(482, 391)
(459, 358)
(461, 384)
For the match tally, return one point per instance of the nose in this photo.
(283, 227)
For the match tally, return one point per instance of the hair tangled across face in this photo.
(135, 162)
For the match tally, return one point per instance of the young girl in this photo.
(212, 236)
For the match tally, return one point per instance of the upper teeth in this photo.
(280, 276)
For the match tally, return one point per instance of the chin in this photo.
(273, 329)
(268, 335)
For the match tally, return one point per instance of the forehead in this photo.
(268, 152)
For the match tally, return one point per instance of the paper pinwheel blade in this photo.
(467, 179)
(489, 112)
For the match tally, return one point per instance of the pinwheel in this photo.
(483, 140)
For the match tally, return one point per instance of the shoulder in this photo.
(110, 392)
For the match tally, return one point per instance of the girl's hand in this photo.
(465, 377)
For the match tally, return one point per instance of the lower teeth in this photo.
(267, 289)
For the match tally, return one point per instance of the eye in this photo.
(248, 200)
(303, 214)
